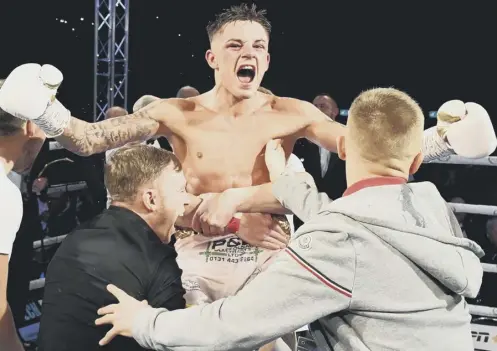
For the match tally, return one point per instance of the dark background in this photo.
(436, 50)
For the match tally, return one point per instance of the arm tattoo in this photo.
(87, 139)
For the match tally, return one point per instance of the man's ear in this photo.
(149, 199)
(211, 59)
(416, 163)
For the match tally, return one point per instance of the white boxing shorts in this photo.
(218, 267)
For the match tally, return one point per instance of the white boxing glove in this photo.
(29, 93)
(467, 128)
(464, 129)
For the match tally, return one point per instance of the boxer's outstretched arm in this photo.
(86, 139)
(321, 130)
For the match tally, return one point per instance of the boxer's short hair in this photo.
(9, 125)
(386, 123)
(236, 13)
(131, 167)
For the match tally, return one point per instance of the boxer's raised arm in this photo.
(86, 139)
(321, 130)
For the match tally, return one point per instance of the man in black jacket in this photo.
(125, 245)
(325, 167)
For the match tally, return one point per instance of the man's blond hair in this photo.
(131, 167)
(386, 124)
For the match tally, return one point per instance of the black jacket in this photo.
(116, 247)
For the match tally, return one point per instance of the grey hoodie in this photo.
(384, 268)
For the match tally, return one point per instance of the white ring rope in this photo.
(456, 159)
(474, 209)
(68, 187)
(483, 311)
(54, 145)
(489, 268)
(49, 241)
(37, 284)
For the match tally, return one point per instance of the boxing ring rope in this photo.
(483, 311)
(455, 159)
(49, 241)
(473, 209)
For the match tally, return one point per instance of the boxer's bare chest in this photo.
(223, 151)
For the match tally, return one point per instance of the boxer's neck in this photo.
(221, 100)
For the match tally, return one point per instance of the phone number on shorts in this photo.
(231, 260)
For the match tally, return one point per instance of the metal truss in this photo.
(111, 56)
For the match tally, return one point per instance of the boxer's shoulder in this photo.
(287, 104)
(191, 108)
(295, 114)
(183, 105)
(303, 110)
(173, 112)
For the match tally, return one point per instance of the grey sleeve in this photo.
(311, 279)
(298, 193)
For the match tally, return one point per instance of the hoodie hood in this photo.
(416, 221)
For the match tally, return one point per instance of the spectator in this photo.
(325, 167)
(115, 111)
(492, 237)
(123, 245)
(187, 92)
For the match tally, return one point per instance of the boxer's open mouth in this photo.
(246, 73)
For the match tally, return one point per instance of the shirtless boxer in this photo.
(20, 143)
(218, 136)
(218, 266)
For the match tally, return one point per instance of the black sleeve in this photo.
(165, 289)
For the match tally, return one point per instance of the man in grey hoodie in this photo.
(385, 267)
